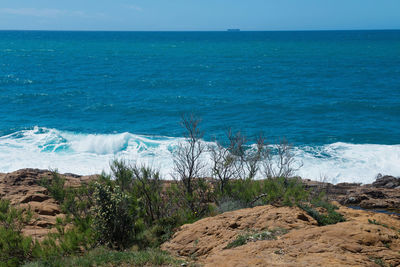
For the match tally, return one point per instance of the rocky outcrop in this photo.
(373, 198)
(22, 188)
(384, 193)
(387, 182)
(212, 234)
(365, 239)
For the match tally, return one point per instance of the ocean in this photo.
(73, 101)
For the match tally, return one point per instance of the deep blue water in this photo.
(318, 89)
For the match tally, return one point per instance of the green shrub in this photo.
(284, 191)
(277, 191)
(55, 186)
(191, 207)
(122, 173)
(163, 230)
(148, 188)
(14, 247)
(115, 216)
(230, 204)
(330, 217)
(294, 192)
(245, 190)
(104, 257)
(64, 242)
(76, 203)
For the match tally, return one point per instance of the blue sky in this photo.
(199, 14)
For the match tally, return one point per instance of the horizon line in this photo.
(225, 30)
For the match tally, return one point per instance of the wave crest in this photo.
(91, 153)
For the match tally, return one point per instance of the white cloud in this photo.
(45, 12)
(48, 13)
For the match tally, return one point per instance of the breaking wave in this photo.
(91, 153)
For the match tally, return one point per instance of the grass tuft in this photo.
(256, 236)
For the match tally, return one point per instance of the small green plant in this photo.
(377, 223)
(239, 241)
(378, 261)
(254, 236)
(386, 244)
(55, 186)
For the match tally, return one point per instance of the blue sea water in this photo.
(75, 100)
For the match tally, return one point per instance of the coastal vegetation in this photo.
(252, 236)
(124, 216)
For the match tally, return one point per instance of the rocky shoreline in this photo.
(384, 193)
(23, 189)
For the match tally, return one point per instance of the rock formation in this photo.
(23, 189)
(384, 193)
(365, 239)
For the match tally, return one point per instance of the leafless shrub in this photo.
(237, 148)
(227, 161)
(283, 163)
(323, 187)
(254, 156)
(187, 163)
(236, 161)
(222, 167)
(194, 191)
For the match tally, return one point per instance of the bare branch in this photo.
(284, 164)
(187, 163)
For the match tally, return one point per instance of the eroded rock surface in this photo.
(356, 242)
(384, 193)
(23, 189)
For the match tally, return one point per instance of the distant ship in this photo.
(233, 30)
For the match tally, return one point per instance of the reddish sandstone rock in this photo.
(23, 189)
(355, 242)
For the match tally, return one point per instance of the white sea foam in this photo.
(343, 162)
(91, 153)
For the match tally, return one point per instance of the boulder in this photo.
(386, 181)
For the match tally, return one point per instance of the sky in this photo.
(202, 15)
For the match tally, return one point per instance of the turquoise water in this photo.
(74, 100)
